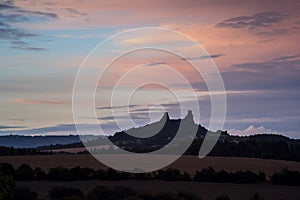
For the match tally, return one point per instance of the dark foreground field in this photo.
(189, 164)
(208, 191)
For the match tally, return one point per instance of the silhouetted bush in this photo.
(286, 177)
(257, 196)
(61, 193)
(223, 176)
(222, 197)
(167, 196)
(170, 175)
(112, 175)
(39, 174)
(210, 175)
(6, 187)
(7, 169)
(24, 193)
(122, 192)
(60, 174)
(188, 196)
(9, 192)
(186, 177)
(99, 192)
(164, 196)
(115, 193)
(141, 176)
(247, 177)
(206, 175)
(24, 173)
(78, 173)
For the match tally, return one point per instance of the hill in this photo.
(257, 146)
(18, 141)
(265, 146)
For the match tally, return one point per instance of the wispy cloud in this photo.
(153, 64)
(133, 116)
(263, 19)
(38, 101)
(11, 9)
(13, 34)
(117, 107)
(287, 57)
(46, 15)
(63, 129)
(11, 14)
(11, 127)
(72, 12)
(203, 57)
(17, 119)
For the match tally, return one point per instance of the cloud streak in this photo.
(153, 64)
(61, 129)
(39, 101)
(11, 14)
(263, 19)
(117, 107)
(74, 12)
(11, 127)
(204, 57)
(282, 58)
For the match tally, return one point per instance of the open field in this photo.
(207, 191)
(189, 164)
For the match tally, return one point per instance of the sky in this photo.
(254, 44)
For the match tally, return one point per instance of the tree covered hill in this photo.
(266, 146)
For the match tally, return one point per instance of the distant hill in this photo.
(266, 146)
(17, 141)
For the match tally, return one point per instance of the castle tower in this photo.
(166, 116)
(189, 116)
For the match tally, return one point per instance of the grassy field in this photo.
(189, 164)
(207, 191)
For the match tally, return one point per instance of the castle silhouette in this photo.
(162, 132)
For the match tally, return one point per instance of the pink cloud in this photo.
(252, 130)
(38, 101)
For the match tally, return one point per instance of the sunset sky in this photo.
(255, 45)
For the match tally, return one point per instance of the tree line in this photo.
(11, 151)
(8, 191)
(124, 193)
(26, 173)
(253, 147)
(259, 146)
